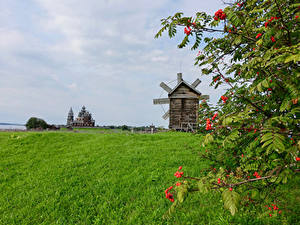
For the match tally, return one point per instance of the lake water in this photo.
(12, 127)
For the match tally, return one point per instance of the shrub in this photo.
(253, 141)
(35, 123)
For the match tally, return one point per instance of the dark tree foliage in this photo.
(253, 135)
(36, 123)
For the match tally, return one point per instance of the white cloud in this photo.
(101, 54)
(10, 40)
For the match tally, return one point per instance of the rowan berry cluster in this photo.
(169, 195)
(214, 117)
(208, 124)
(258, 35)
(217, 78)
(273, 208)
(220, 15)
(224, 98)
(256, 175)
(270, 20)
(240, 4)
(273, 39)
(188, 30)
(177, 173)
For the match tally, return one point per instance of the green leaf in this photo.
(295, 58)
(265, 84)
(234, 135)
(286, 105)
(266, 137)
(231, 200)
(227, 121)
(259, 87)
(203, 188)
(159, 33)
(267, 143)
(184, 42)
(182, 192)
(207, 139)
(255, 194)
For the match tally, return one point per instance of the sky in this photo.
(57, 54)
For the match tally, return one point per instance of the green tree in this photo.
(34, 123)
(255, 137)
(124, 127)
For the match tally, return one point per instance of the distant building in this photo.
(70, 118)
(84, 119)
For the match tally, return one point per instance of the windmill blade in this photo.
(159, 101)
(196, 83)
(205, 97)
(165, 87)
(166, 115)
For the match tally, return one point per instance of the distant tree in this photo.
(124, 127)
(34, 123)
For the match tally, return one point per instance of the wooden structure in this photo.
(84, 119)
(183, 102)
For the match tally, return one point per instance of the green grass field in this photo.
(102, 178)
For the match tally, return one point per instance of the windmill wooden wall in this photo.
(184, 104)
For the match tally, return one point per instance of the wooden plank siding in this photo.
(184, 104)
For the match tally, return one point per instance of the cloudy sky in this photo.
(57, 54)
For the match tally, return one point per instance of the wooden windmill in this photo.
(183, 102)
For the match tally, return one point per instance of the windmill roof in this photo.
(183, 82)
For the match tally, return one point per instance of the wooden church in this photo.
(183, 102)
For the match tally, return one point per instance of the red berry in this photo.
(266, 24)
(273, 39)
(258, 35)
(230, 189)
(180, 167)
(223, 16)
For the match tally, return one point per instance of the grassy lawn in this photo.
(101, 178)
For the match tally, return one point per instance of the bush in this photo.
(252, 135)
(34, 123)
(124, 127)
